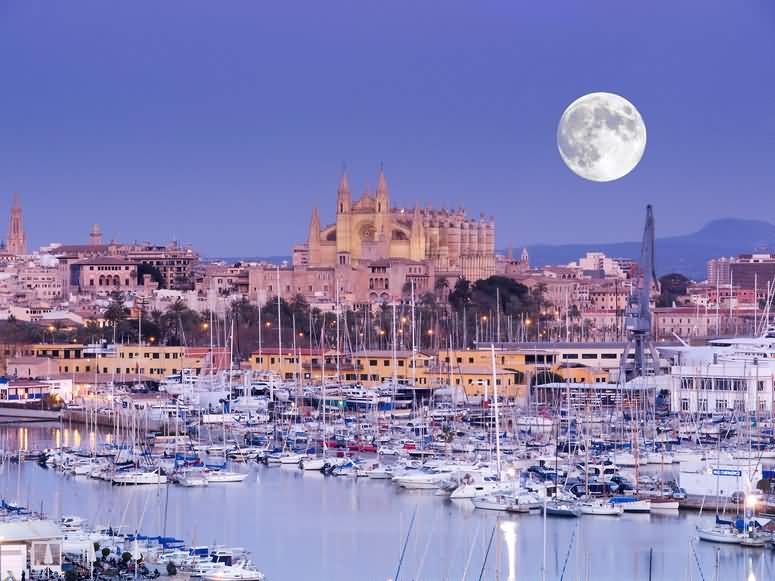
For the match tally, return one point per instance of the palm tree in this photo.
(116, 311)
(441, 286)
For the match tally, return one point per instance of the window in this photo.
(609, 356)
(722, 384)
(156, 355)
(589, 355)
(372, 361)
(721, 405)
(570, 355)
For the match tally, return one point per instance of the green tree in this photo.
(145, 268)
(116, 312)
(672, 287)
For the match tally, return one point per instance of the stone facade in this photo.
(373, 250)
(371, 229)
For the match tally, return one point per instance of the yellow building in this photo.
(370, 229)
(370, 368)
(374, 367)
(125, 362)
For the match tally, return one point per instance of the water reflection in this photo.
(302, 525)
(509, 530)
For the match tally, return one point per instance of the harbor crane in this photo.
(637, 315)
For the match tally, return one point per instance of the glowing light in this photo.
(509, 530)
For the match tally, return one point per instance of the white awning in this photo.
(28, 530)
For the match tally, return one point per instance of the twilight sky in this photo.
(222, 123)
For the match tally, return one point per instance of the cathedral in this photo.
(369, 230)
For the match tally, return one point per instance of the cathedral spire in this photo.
(417, 236)
(313, 239)
(382, 188)
(314, 225)
(343, 195)
(344, 183)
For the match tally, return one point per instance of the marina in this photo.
(333, 291)
(354, 526)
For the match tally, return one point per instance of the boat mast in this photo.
(279, 325)
(497, 422)
(414, 354)
(336, 312)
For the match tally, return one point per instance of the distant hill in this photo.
(235, 259)
(687, 254)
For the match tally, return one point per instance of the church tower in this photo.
(525, 258)
(95, 235)
(313, 239)
(17, 240)
(344, 202)
(382, 218)
(417, 237)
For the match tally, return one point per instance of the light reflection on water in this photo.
(302, 525)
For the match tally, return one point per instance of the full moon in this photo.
(601, 137)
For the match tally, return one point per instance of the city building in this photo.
(746, 270)
(103, 274)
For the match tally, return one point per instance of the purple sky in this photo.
(222, 123)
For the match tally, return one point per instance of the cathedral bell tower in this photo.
(344, 202)
(382, 224)
(313, 240)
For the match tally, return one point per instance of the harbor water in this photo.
(302, 525)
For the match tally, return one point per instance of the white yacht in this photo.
(224, 476)
(137, 477)
(240, 572)
(600, 508)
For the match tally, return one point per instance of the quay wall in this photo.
(23, 414)
(121, 417)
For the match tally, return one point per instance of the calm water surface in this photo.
(303, 526)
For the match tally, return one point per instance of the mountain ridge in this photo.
(684, 253)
